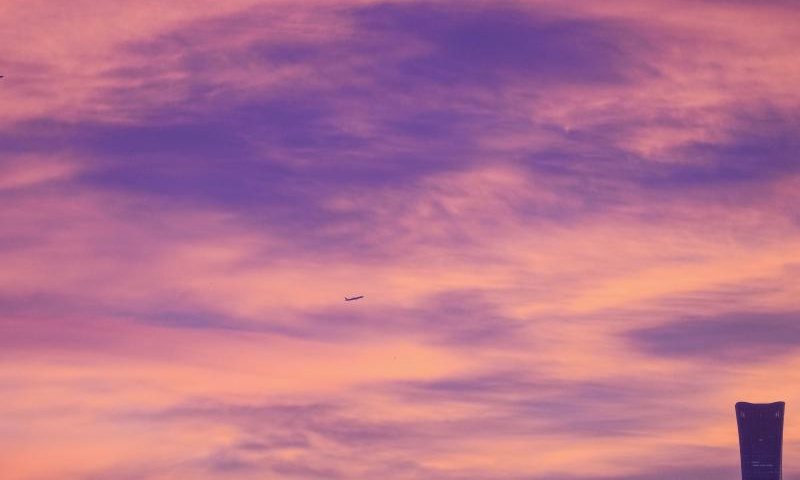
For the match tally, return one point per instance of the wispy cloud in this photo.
(575, 228)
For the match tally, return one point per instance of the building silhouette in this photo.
(760, 439)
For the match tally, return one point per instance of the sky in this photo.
(575, 224)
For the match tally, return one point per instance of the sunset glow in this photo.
(576, 227)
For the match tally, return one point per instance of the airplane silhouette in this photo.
(346, 299)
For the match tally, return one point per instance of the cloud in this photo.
(575, 227)
(476, 43)
(513, 403)
(735, 337)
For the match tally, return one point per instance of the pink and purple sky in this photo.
(576, 225)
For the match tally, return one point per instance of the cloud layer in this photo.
(575, 227)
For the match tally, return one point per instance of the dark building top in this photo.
(760, 439)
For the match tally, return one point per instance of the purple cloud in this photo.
(575, 227)
(734, 337)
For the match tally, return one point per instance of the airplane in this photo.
(353, 298)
